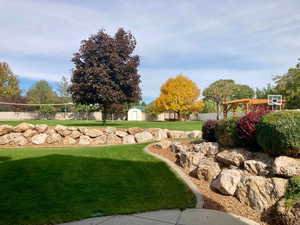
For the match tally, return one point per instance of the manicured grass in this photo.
(53, 185)
(176, 125)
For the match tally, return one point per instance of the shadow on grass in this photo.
(59, 188)
(4, 158)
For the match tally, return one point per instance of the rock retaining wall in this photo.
(28, 134)
(256, 179)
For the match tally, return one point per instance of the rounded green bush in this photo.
(226, 132)
(278, 133)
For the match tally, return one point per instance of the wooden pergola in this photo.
(248, 104)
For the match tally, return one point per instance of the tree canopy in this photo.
(41, 93)
(9, 84)
(105, 71)
(223, 90)
(179, 95)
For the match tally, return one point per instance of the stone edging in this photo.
(181, 174)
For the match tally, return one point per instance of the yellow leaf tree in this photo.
(179, 95)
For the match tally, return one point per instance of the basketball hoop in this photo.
(275, 100)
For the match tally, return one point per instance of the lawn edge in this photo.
(181, 175)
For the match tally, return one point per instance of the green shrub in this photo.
(226, 132)
(278, 133)
(292, 194)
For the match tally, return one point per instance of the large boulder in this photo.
(143, 137)
(288, 215)
(39, 139)
(163, 144)
(41, 128)
(62, 130)
(69, 141)
(134, 130)
(227, 181)
(208, 169)
(93, 133)
(13, 139)
(260, 193)
(75, 134)
(129, 139)
(175, 134)
(110, 130)
(5, 129)
(29, 133)
(20, 140)
(260, 164)
(84, 140)
(235, 157)
(209, 149)
(113, 139)
(286, 166)
(22, 127)
(178, 147)
(195, 134)
(54, 138)
(157, 133)
(101, 140)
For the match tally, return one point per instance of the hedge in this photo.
(226, 132)
(278, 133)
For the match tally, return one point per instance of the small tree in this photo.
(179, 95)
(219, 91)
(105, 71)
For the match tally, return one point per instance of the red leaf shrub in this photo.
(246, 127)
(209, 130)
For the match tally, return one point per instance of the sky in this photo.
(248, 41)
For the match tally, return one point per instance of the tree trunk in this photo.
(218, 111)
(104, 115)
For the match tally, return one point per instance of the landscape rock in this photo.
(260, 193)
(208, 169)
(73, 128)
(13, 139)
(178, 147)
(110, 130)
(134, 130)
(54, 138)
(209, 149)
(129, 139)
(93, 133)
(163, 144)
(84, 140)
(143, 137)
(62, 130)
(20, 140)
(288, 215)
(234, 157)
(101, 140)
(175, 134)
(5, 129)
(157, 133)
(69, 141)
(113, 139)
(75, 134)
(29, 133)
(195, 134)
(121, 134)
(286, 166)
(227, 181)
(39, 139)
(41, 128)
(22, 127)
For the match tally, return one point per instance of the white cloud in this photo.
(250, 40)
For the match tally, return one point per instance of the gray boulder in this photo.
(227, 181)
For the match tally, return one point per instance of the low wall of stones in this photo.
(256, 179)
(28, 134)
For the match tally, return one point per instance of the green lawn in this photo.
(176, 125)
(53, 185)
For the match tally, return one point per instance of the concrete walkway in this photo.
(169, 217)
(196, 216)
